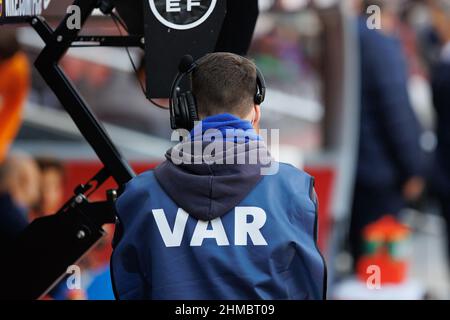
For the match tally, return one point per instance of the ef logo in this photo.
(182, 14)
(175, 5)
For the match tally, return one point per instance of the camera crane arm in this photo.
(42, 254)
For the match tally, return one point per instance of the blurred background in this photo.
(365, 111)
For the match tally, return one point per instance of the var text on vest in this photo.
(214, 229)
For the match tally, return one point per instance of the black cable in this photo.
(118, 22)
(158, 105)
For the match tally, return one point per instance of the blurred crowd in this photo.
(399, 163)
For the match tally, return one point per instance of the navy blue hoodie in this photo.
(218, 231)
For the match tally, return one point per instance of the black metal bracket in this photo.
(41, 256)
(109, 41)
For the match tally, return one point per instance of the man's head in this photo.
(20, 178)
(226, 83)
(9, 45)
(52, 185)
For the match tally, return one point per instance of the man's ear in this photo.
(256, 116)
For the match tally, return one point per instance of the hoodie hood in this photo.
(209, 188)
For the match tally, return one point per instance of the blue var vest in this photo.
(265, 248)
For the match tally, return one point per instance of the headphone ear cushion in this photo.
(258, 99)
(182, 117)
(188, 111)
(192, 107)
(176, 114)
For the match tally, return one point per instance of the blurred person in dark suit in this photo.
(390, 166)
(19, 191)
(441, 97)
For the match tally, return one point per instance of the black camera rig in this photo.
(42, 254)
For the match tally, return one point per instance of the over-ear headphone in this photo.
(183, 106)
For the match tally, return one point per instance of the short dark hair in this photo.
(9, 45)
(224, 83)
